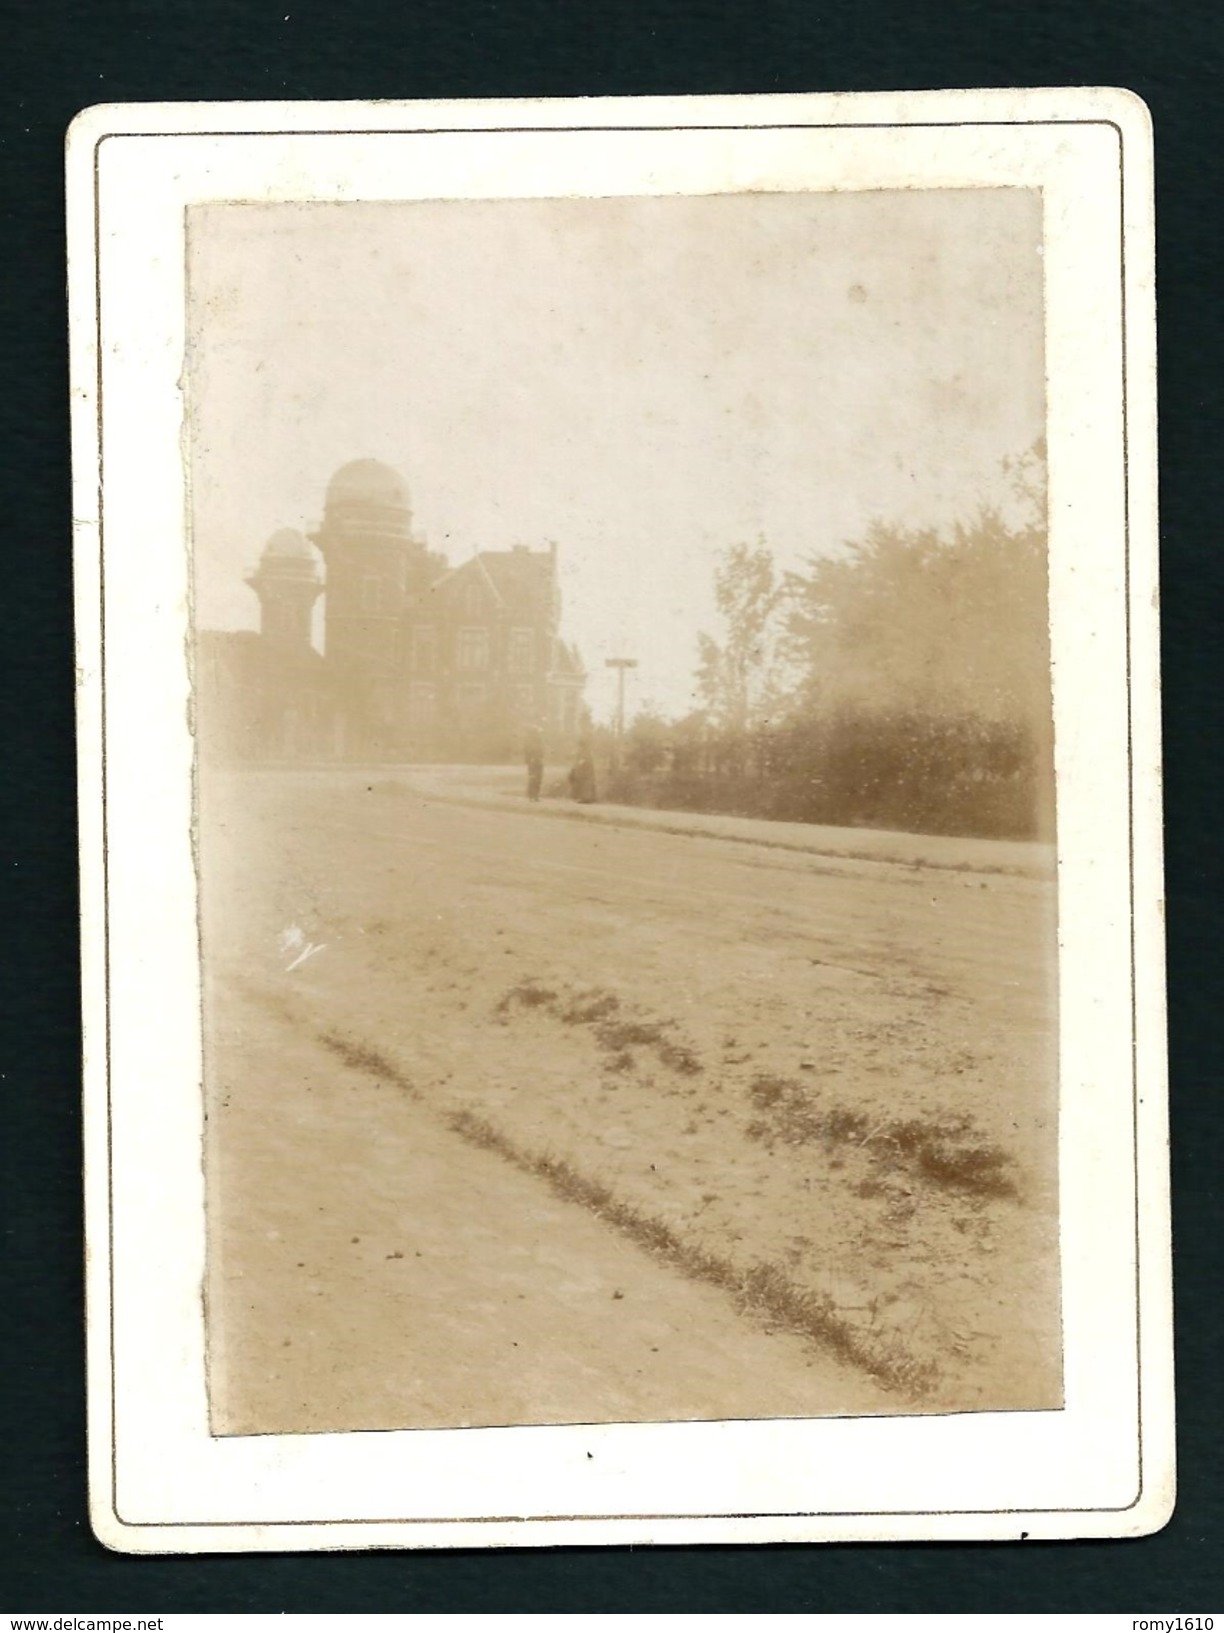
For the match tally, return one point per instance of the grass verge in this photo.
(616, 1032)
(761, 1290)
(944, 1150)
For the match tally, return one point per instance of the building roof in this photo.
(567, 662)
(238, 653)
(247, 659)
(519, 571)
(519, 579)
(227, 642)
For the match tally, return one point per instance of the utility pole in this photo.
(620, 665)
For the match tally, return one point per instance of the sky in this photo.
(643, 381)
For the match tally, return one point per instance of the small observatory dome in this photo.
(286, 545)
(286, 556)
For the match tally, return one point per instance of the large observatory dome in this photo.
(366, 500)
(367, 483)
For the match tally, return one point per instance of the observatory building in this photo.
(420, 660)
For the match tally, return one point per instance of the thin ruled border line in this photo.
(559, 130)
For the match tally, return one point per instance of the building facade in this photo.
(420, 660)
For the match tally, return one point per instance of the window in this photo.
(380, 646)
(473, 596)
(424, 650)
(422, 703)
(473, 649)
(371, 593)
(520, 652)
(521, 700)
(383, 699)
(470, 697)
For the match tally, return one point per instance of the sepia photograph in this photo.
(625, 798)
(618, 718)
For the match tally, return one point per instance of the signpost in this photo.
(620, 665)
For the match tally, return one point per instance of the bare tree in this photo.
(738, 676)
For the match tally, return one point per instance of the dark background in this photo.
(59, 58)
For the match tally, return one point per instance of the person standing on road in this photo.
(533, 753)
(582, 776)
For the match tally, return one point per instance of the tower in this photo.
(287, 583)
(367, 543)
(374, 568)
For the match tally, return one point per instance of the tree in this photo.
(950, 624)
(904, 682)
(924, 698)
(738, 677)
(648, 740)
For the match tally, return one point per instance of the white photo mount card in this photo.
(620, 821)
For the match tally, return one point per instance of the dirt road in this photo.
(407, 1279)
(797, 1110)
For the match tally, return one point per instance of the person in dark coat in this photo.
(582, 776)
(533, 753)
